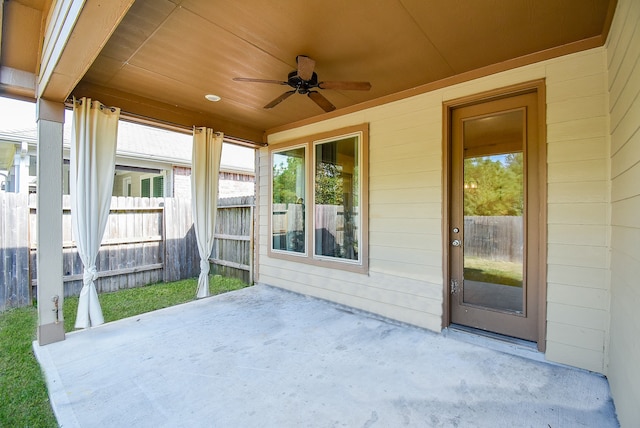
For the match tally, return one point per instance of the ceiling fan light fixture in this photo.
(304, 81)
(213, 98)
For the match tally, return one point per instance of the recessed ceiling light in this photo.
(213, 98)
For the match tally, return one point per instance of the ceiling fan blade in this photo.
(248, 79)
(305, 67)
(280, 99)
(324, 103)
(353, 86)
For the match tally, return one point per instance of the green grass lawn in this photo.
(135, 301)
(23, 394)
(492, 271)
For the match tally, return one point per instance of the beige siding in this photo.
(405, 280)
(578, 214)
(623, 59)
(405, 256)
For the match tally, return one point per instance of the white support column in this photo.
(21, 160)
(50, 118)
(168, 183)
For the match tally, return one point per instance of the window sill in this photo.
(361, 268)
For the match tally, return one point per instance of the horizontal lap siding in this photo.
(405, 196)
(400, 299)
(623, 59)
(405, 200)
(578, 211)
(405, 280)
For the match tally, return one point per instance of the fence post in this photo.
(251, 228)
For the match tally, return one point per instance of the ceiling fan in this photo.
(304, 80)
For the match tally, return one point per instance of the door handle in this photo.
(455, 242)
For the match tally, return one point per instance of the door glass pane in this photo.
(493, 212)
(337, 217)
(288, 204)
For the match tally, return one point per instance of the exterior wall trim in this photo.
(307, 258)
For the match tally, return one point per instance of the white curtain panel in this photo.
(93, 154)
(205, 169)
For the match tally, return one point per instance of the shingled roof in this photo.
(145, 142)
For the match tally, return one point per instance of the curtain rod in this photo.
(171, 126)
(79, 101)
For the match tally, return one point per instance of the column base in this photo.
(50, 333)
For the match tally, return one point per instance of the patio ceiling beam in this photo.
(17, 83)
(164, 115)
(75, 33)
(19, 42)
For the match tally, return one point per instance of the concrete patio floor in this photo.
(264, 357)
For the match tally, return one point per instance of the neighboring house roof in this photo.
(146, 143)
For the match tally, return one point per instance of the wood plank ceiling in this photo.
(168, 54)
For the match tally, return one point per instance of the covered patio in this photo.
(371, 177)
(266, 357)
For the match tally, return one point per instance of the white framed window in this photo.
(288, 196)
(336, 223)
(126, 186)
(152, 186)
(319, 199)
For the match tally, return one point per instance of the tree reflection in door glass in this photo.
(493, 230)
(493, 185)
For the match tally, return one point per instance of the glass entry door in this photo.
(492, 251)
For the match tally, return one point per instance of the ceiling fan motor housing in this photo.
(304, 80)
(301, 85)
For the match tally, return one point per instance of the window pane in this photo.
(494, 231)
(145, 186)
(287, 221)
(33, 166)
(337, 217)
(158, 186)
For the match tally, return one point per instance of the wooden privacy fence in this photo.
(132, 249)
(14, 250)
(232, 253)
(331, 229)
(494, 237)
(147, 240)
